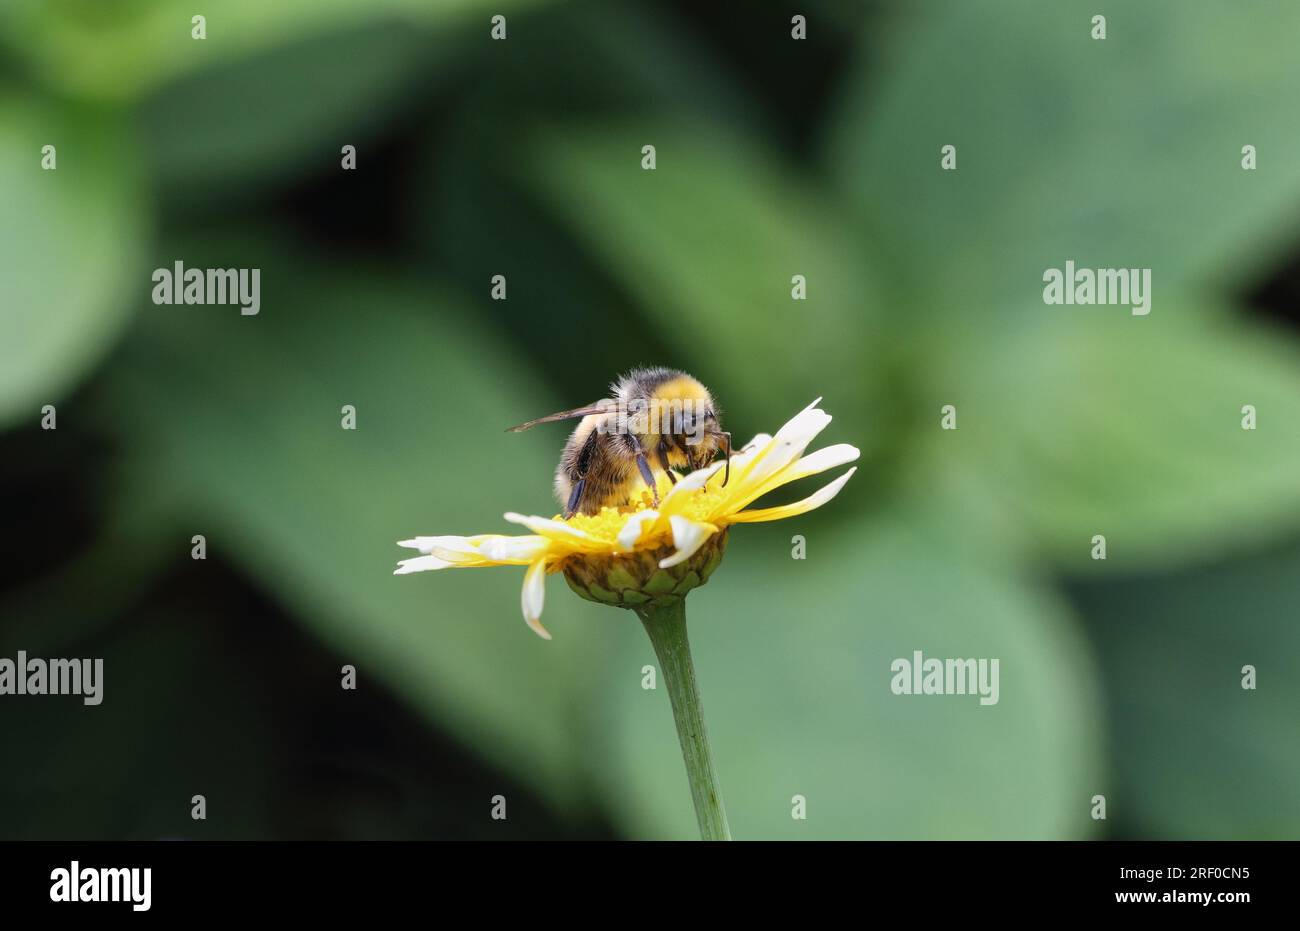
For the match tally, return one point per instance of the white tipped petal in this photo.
(783, 449)
(797, 434)
(753, 446)
(534, 596)
(815, 500)
(427, 544)
(514, 549)
(826, 458)
(697, 479)
(808, 422)
(688, 536)
(457, 551)
(555, 529)
(635, 526)
(812, 464)
(421, 564)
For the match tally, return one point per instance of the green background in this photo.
(775, 157)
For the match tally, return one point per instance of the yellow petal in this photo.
(681, 494)
(815, 500)
(679, 497)
(778, 454)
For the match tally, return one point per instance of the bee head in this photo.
(698, 425)
(673, 414)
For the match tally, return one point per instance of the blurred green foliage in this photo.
(68, 246)
(774, 158)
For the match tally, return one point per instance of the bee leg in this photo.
(647, 475)
(663, 461)
(574, 497)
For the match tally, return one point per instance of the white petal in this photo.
(514, 549)
(827, 458)
(811, 464)
(786, 447)
(747, 451)
(426, 544)
(631, 531)
(420, 564)
(807, 423)
(548, 527)
(688, 536)
(802, 430)
(534, 596)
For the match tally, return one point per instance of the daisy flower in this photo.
(648, 558)
(633, 556)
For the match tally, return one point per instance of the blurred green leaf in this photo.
(255, 119)
(1197, 757)
(101, 574)
(473, 223)
(69, 241)
(171, 715)
(1130, 428)
(473, 216)
(125, 49)
(794, 661)
(1115, 153)
(708, 243)
(617, 56)
(312, 511)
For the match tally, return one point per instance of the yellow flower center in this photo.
(603, 526)
(700, 505)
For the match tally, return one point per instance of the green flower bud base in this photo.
(633, 580)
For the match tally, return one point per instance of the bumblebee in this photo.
(657, 419)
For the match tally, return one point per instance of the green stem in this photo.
(666, 625)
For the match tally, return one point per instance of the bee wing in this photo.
(599, 407)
